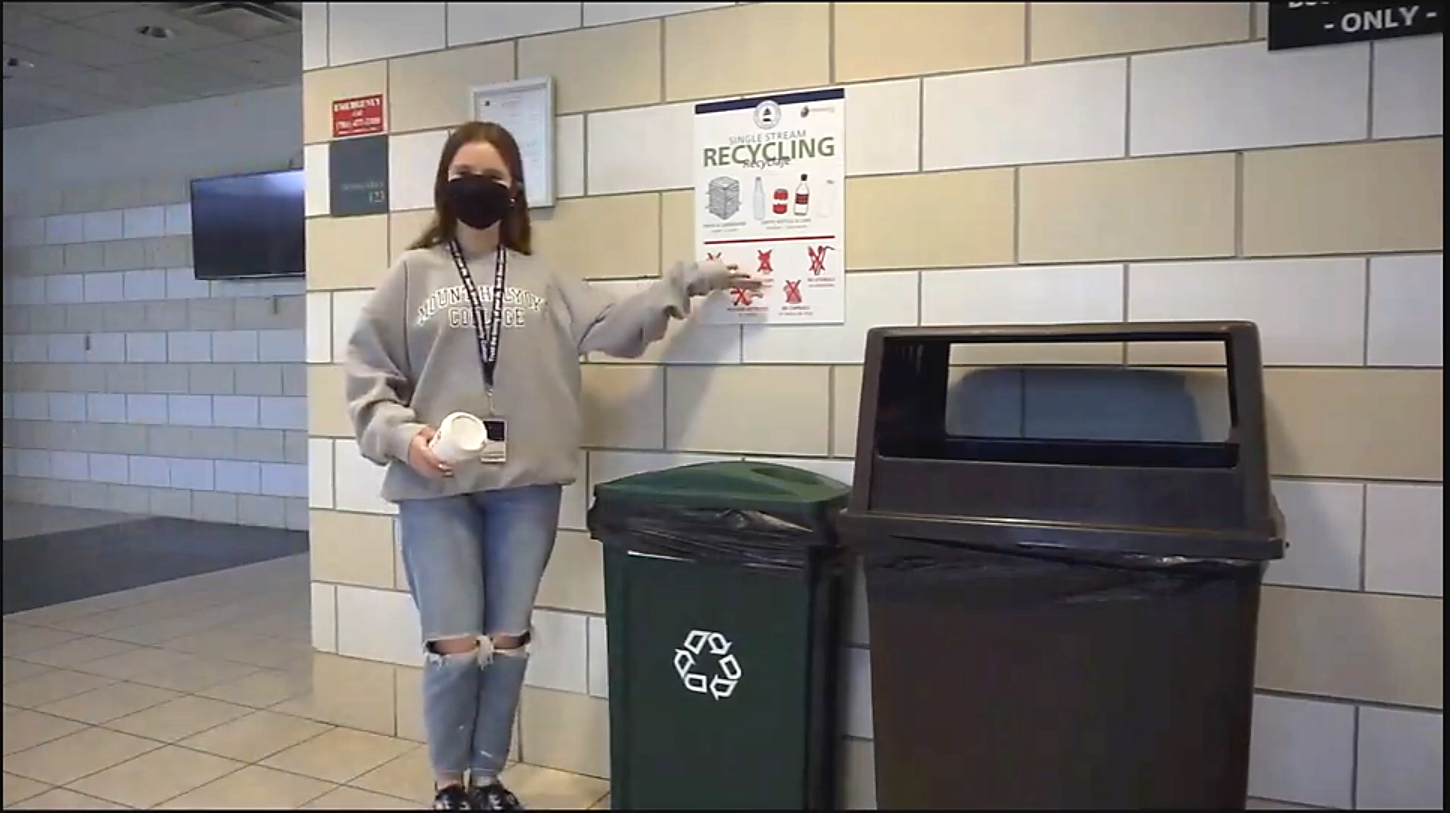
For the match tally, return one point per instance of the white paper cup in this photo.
(459, 437)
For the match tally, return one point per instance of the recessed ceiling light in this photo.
(159, 32)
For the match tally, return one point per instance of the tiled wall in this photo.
(132, 386)
(1008, 162)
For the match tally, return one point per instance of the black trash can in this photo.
(722, 596)
(1059, 622)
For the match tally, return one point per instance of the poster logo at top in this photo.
(358, 116)
(767, 114)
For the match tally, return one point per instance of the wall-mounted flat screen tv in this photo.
(245, 226)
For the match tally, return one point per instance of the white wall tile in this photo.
(108, 225)
(487, 22)
(1404, 539)
(235, 346)
(149, 471)
(109, 468)
(189, 410)
(73, 466)
(181, 283)
(67, 406)
(574, 505)
(1245, 96)
(598, 657)
(188, 345)
(324, 611)
(283, 413)
(569, 156)
(143, 221)
(872, 300)
(1409, 87)
(105, 287)
(319, 472)
(357, 483)
(347, 307)
(360, 32)
(35, 463)
(65, 289)
(317, 170)
(239, 476)
(281, 346)
(146, 347)
(26, 291)
(194, 474)
(314, 36)
(1324, 526)
(59, 229)
(319, 328)
(106, 408)
(284, 480)
(1302, 751)
(412, 160)
(1309, 311)
(641, 149)
(1022, 295)
(146, 409)
(145, 285)
(378, 625)
(1069, 112)
(28, 348)
(178, 219)
(70, 348)
(610, 13)
(237, 411)
(31, 406)
(7, 462)
(883, 127)
(559, 655)
(27, 231)
(1401, 760)
(105, 348)
(1407, 311)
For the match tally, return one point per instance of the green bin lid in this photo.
(729, 484)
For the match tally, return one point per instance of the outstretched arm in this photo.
(625, 327)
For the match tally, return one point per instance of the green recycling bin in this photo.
(722, 592)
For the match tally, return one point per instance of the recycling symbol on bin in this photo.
(701, 645)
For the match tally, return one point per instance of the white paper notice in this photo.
(526, 109)
(770, 176)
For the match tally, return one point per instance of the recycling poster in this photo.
(770, 177)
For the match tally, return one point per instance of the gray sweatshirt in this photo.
(413, 359)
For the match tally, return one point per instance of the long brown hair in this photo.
(515, 232)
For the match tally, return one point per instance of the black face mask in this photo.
(478, 202)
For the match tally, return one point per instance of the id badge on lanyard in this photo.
(488, 328)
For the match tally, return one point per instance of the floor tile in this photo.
(62, 799)
(339, 755)
(190, 673)
(256, 736)
(261, 689)
(109, 702)
(154, 633)
(177, 719)
(54, 685)
(603, 804)
(154, 777)
(20, 638)
(18, 789)
(62, 761)
(252, 788)
(17, 670)
(346, 798)
(408, 777)
(548, 789)
(27, 729)
(138, 661)
(77, 652)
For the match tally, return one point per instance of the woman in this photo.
(469, 320)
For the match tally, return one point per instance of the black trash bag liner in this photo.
(750, 538)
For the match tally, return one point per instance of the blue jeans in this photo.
(474, 563)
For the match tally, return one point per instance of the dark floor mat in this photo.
(56, 568)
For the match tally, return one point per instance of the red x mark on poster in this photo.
(793, 292)
(764, 259)
(712, 256)
(818, 258)
(740, 297)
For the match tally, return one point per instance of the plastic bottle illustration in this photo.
(826, 200)
(757, 201)
(802, 198)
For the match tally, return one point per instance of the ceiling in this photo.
(69, 60)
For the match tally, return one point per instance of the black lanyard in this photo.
(490, 330)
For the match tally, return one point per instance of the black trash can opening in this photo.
(1062, 580)
(722, 599)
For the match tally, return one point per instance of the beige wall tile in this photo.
(351, 693)
(327, 402)
(408, 702)
(743, 50)
(351, 548)
(597, 68)
(748, 410)
(898, 221)
(677, 228)
(1360, 646)
(404, 228)
(564, 731)
(1152, 208)
(599, 238)
(1068, 30)
(881, 40)
(321, 88)
(575, 578)
(1345, 199)
(1370, 423)
(346, 252)
(624, 406)
(845, 406)
(858, 775)
(429, 91)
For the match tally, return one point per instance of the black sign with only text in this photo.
(358, 176)
(1300, 25)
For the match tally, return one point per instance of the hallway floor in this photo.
(195, 694)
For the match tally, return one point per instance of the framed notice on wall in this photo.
(526, 109)
(1302, 25)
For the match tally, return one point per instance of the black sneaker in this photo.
(494, 796)
(453, 797)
